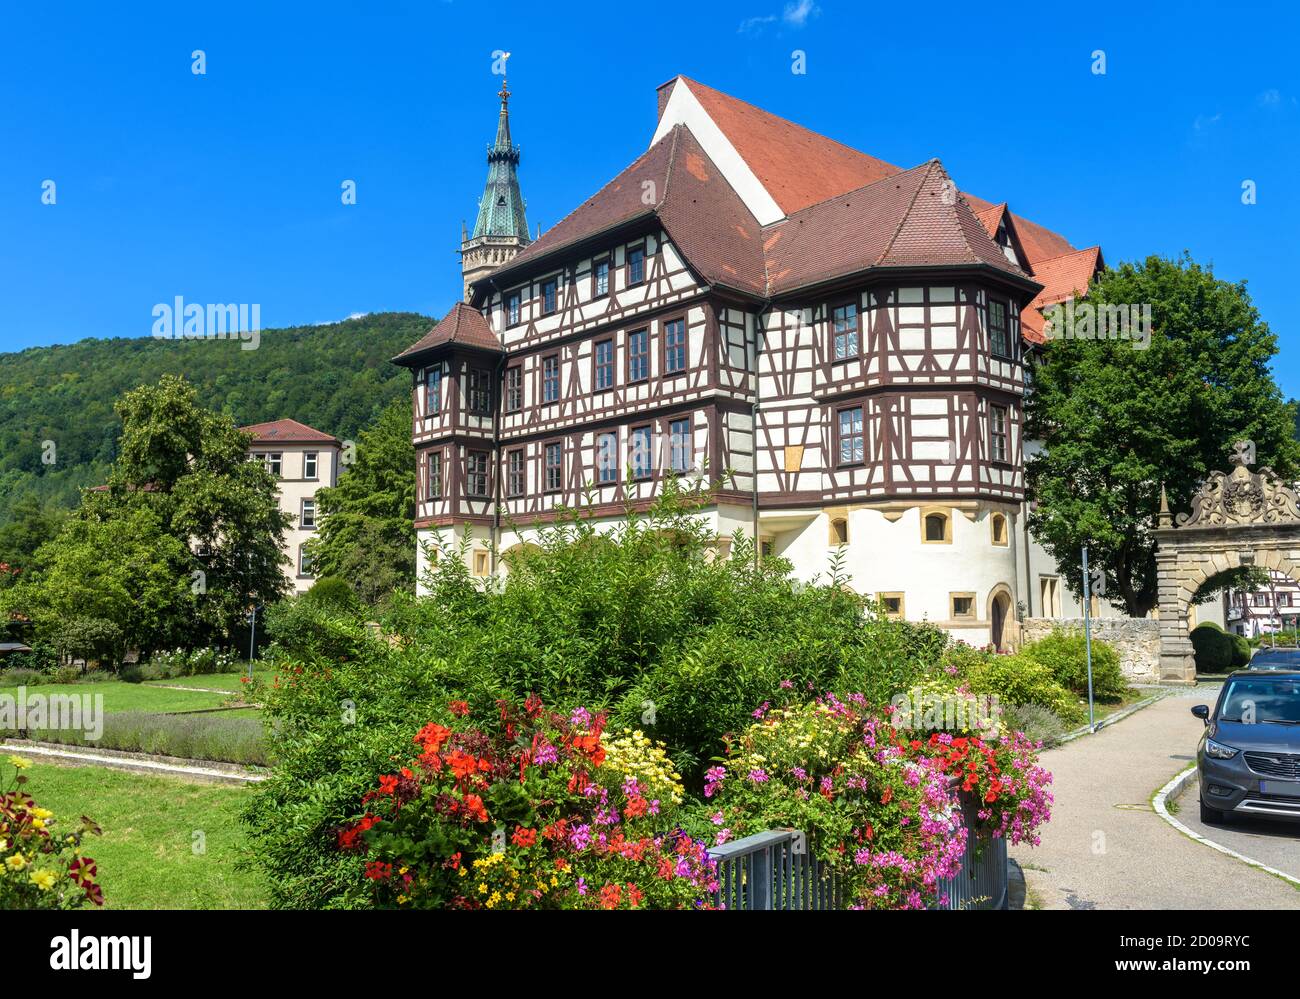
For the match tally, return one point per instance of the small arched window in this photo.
(998, 525)
(839, 534)
(936, 528)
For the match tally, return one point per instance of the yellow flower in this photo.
(464, 872)
(44, 879)
(42, 813)
(18, 762)
(16, 863)
(38, 823)
(402, 899)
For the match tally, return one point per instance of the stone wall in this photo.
(1136, 639)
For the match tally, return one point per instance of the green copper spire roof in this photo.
(501, 209)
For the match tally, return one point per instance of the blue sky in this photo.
(225, 187)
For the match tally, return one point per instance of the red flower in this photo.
(432, 736)
(473, 807)
(459, 708)
(524, 837)
(379, 871)
(888, 796)
(610, 896)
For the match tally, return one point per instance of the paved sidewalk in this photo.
(1106, 849)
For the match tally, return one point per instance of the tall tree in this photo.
(1118, 421)
(367, 532)
(196, 527)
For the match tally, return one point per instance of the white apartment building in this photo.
(304, 460)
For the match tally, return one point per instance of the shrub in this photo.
(22, 677)
(1240, 651)
(645, 621)
(1017, 679)
(209, 736)
(1039, 724)
(1064, 653)
(1212, 647)
(333, 594)
(305, 629)
(41, 865)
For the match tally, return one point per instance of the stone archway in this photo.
(1239, 518)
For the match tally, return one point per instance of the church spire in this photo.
(501, 209)
(501, 228)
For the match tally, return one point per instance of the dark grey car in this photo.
(1275, 659)
(1248, 759)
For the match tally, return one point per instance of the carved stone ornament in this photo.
(1242, 497)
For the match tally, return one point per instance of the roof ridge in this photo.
(902, 219)
(672, 160)
(1072, 253)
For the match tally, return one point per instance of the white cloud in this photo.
(795, 15)
(1203, 122)
(1269, 98)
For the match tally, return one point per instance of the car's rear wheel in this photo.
(1211, 815)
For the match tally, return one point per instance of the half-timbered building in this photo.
(835, 344)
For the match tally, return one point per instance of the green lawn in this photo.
(146, 856)
(120, 696)
(213, 681)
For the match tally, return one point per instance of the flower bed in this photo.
(534, 808)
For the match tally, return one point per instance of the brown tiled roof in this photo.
(912, 219)
(798, 167)
(990, 217)
(286, 432)
(1065, 276)
(463, 325)
(716, 233)
(703, 215)
(1038, 242)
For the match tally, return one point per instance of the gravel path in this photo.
(1105, 848)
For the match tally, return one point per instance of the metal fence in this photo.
(776, 870)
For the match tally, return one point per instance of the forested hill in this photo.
(335, 377)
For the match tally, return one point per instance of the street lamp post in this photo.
(1087, 636)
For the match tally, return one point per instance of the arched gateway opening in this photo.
(1240, 518)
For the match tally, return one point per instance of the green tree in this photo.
(30, 527)
(1119, 422)
(367, 533)
(190, 465)
(106, 582)
(187, 532)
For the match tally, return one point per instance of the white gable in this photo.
(684, 108)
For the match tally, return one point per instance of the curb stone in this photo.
(207, 770)
(1172, 792)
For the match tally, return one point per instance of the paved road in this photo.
(1269, 841)
(1105, 848)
